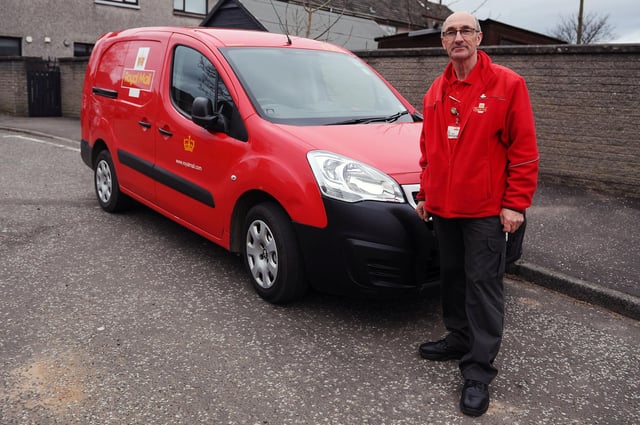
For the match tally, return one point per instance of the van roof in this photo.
(223, 37)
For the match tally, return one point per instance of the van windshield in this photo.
(313, 87)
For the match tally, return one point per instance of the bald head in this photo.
(460, 19)
(461, 36)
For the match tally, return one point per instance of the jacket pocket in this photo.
(471, 189)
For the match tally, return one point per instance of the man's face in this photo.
(460, 38)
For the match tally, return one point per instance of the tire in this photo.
(106, 184)
(271, 255)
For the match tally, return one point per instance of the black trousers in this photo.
(472, 263)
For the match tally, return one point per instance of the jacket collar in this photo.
(481, 73)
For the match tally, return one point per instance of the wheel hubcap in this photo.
(103, 181)
(262, 254)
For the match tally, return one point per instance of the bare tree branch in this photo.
(310, 9)
(303, 25)
(472, 11)
(331, 25)
(595, 28)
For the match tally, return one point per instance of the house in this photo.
(44, 45)
(494, 33)
(402, 16)
(353, 24)
(70, 28)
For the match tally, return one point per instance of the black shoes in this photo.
(475, 395)
(439, 351)
(475, 398)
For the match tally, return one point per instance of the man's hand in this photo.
(424, 215)
(511, 220)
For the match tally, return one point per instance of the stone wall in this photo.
(71, 80)
(13, 81)
(585, 101)
(14, 99)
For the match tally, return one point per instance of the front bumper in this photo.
(369, 247)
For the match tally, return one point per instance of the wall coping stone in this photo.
(562, 49)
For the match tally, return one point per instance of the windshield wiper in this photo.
(368, 120)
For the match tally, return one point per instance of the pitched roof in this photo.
(353, 24)
(413, 14)
(495, 33)
(351, 32)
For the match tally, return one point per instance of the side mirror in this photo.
(202, 114)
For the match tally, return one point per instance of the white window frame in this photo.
(132, 4)
(180, 6)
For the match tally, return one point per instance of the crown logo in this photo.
(189, 144)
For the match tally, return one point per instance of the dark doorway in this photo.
(43, 86)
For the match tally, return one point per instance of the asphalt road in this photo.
(131, 319)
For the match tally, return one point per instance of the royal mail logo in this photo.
(481, 108)
(189, 144)
(140, 79)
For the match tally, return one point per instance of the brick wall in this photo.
(13, 84)
(71, 79)
(585, 101)
(13, 81)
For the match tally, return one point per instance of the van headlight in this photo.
(348, 180)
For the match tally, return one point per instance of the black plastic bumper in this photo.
(370, 247)
(85, 153)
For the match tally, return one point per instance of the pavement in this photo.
(578, 242)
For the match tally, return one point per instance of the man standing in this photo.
(479, 172)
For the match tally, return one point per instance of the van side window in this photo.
(193, 75)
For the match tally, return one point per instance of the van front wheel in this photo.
(271, 254)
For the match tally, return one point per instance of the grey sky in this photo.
(543, 16)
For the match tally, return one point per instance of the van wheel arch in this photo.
(242, 207)
(98, 146)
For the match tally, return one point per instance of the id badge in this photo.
(453, 131)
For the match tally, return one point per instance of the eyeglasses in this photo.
(464, 32)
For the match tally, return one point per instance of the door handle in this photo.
(165, 132)
(145, 124)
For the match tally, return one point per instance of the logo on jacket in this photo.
(481, 108)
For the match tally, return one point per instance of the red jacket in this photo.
(494, 161)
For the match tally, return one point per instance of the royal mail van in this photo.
(291, 152)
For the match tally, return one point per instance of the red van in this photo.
(291, 152)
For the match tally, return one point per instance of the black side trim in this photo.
(85, 153)
(167, 178)
(137, 163)
(183, 186)
(111, 94)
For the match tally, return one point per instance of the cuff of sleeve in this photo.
(514, 209)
